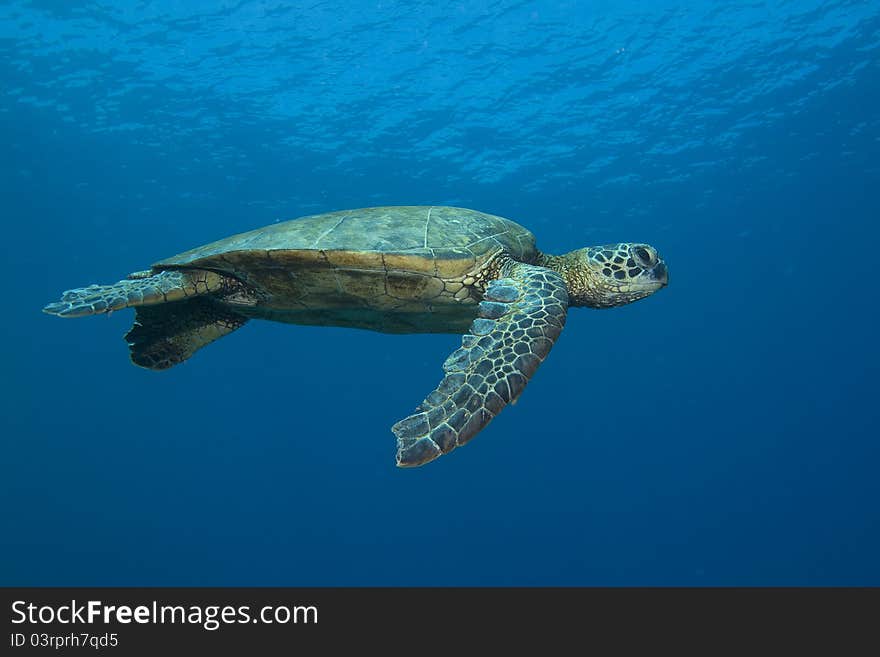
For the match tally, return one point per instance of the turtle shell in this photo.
(399, 259)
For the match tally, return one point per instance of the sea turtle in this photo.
(391, 269)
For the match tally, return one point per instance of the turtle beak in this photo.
(660, 274)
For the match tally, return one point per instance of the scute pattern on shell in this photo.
(424, 232)
(395, 269)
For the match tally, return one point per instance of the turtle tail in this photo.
(139, 289)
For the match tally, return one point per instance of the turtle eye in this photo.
(644, 255)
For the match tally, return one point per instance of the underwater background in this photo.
(721, 432)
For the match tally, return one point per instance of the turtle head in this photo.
(613, 274)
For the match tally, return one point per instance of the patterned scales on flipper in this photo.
(139, 289)
(519, 320)
(168, 334)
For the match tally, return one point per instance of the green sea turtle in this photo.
(390, 269)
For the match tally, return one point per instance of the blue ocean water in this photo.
(721, 432)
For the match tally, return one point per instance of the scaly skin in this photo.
(609, 276)
(140, 289)
(519, 320)
(522, 314)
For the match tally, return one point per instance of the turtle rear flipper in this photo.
(140, 289)
(518, 323)
(177, 312)
(168, 334)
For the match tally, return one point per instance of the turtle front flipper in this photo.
(141, 289)
(519, 320)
